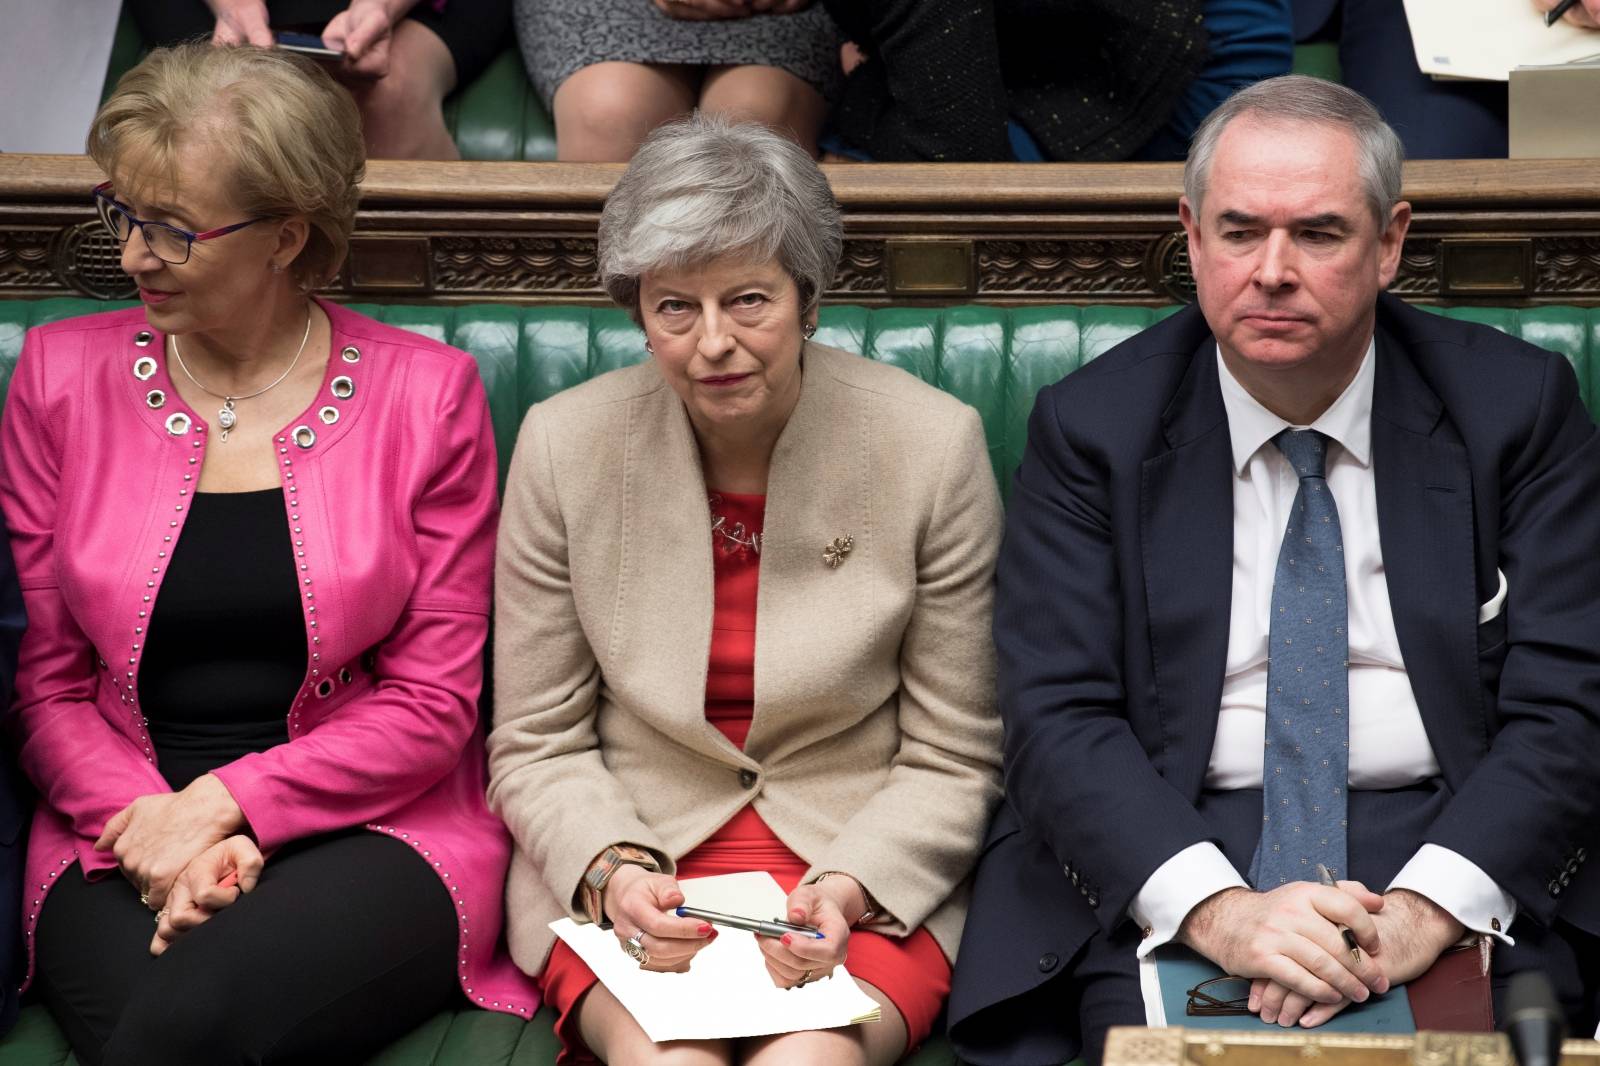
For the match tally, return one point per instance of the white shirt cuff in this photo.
(1195, 874)
(1461, 887)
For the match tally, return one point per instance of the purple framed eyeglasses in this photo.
(167, 243)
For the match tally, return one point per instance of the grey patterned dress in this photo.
(560, 37)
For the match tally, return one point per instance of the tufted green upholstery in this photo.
(995, 359)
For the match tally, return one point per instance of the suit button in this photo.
(1582, 853)
(1565, 880)
(1048, 961)
(1094, 899)
(1554, 888)
(1572, 866)
(1075, 878)
(747, 778)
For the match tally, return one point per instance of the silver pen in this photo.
(773, 928)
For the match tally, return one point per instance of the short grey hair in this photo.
(704, 187)
(1296, 98)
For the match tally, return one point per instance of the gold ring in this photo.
(144, 898)
(805, 979)
(635, 948)
(160, 914)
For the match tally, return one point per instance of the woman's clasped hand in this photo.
(215, 879)
(156, 837)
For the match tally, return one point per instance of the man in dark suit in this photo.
(1299, 576)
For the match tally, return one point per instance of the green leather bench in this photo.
(992, 358)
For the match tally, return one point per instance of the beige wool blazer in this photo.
(875, 746)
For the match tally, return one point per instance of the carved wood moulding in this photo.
(1502, 232)
(1178, 1046)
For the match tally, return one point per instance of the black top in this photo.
(1090, 79)
(226, 646)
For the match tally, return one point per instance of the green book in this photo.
(1177, 970)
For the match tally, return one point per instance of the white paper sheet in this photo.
(1484, 39)
(727, 992)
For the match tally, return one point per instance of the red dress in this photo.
(912, 971)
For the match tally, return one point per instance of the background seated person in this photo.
(972, 80)
(650, 723)
(254, 533)
(1292, 578)
(1435, 118)
(402, 57)
(610, 71)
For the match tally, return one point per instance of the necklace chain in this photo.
(731, 538)
(227, 418)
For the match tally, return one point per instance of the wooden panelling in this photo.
(1484, 231)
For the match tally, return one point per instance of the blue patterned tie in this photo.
(1307, 755)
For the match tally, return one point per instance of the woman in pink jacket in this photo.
(255, 536)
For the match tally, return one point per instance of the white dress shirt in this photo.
(1388, 746)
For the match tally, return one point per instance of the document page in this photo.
(1484, 39)
(727, 992)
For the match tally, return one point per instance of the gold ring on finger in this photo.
(144, 898)
(160, 914)
(635, 948)
(805, 978)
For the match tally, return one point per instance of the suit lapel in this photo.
(1186, 536)
(808, 615)
(1425, 527)
(663, 613)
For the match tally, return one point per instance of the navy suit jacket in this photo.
(1112, 614)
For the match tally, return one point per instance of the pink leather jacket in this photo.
(389, 488)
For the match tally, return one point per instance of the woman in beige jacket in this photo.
(653, 720)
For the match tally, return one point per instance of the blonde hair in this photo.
(288, 136)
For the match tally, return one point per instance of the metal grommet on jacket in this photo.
(304, 436)
(144, 368)
(324, 688)
(143, 338)
(155, 399)
(351, 354)
(329, 415)
(343, 387)
(177, 423)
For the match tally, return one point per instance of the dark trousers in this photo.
(347, 942)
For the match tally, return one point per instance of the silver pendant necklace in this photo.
(227, 417)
